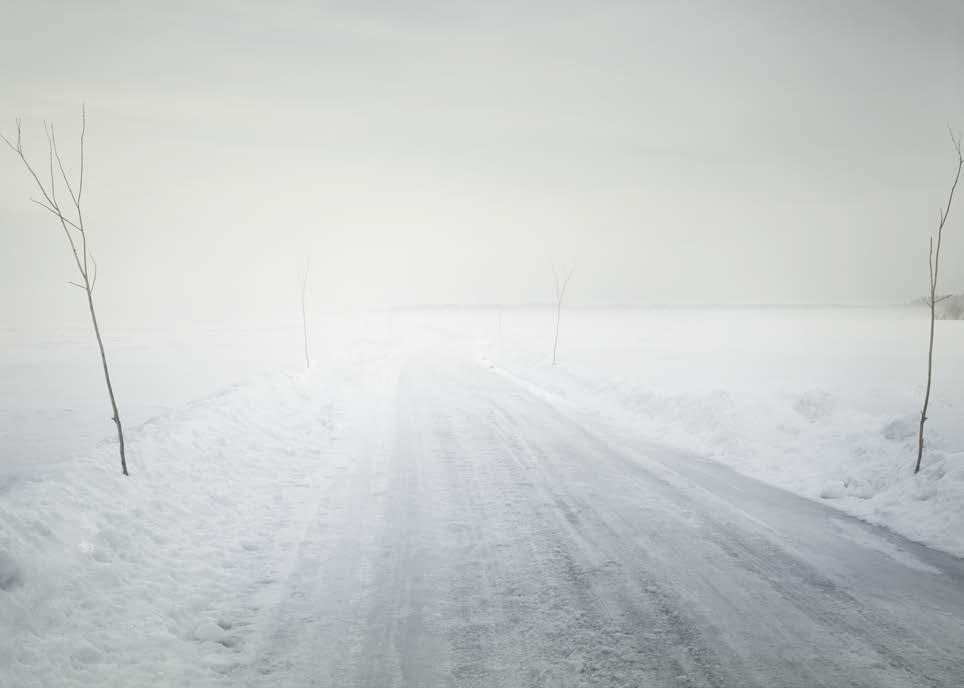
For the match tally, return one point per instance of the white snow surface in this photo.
(160, 579)
(114, 581)
(822, 402)
(187, 573)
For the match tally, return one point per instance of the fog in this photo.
(449, 153)
(419, 465)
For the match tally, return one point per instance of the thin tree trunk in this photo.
(75, 233)
(110, 387)
(933, 264)
(560, 294)
(930, 373)
(555, 343)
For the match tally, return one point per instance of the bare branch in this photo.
(50, 160)
(57, 213)
(565, 283)
(933, 264)
(947, 207)
(560, 294)
(18, 149)
(50, 204)
(93, 282)
(66, 224)
(60, 164)
(561, 286)
(83, 133)
(51, 197)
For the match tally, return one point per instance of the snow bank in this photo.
(52, 398)
(110, 581)
(822, 403)
(164, 578)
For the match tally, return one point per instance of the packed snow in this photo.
(189, 572)
(113, 581)
(822, 402)
(157, 579)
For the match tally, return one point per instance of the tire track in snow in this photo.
(480, 536)
(820, 633)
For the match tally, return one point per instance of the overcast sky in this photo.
(449, 152)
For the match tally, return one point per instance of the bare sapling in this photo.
(560, 295)
(71, 220)
(933, 263)
(304, 312)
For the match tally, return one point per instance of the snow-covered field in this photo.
(823, 402)
(107, 581)
(52, 401)
(169, 577)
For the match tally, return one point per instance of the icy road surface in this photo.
(478, 533)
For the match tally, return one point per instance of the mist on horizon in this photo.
(450, 153)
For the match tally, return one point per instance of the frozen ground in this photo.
(434, 505)
(52, 404)
(157, 580)
(824, 403)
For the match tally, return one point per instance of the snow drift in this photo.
(824, 403)
(114, 581)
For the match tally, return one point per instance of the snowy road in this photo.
(476, 533)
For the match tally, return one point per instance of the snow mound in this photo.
(210, 631)
(901, 429)
(823, 404)
(106, 580)
(815, 405)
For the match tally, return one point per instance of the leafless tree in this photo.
(304, 313)
(71, 221)
(560, 294)
(933, 264)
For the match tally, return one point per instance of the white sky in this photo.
(450, 152)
